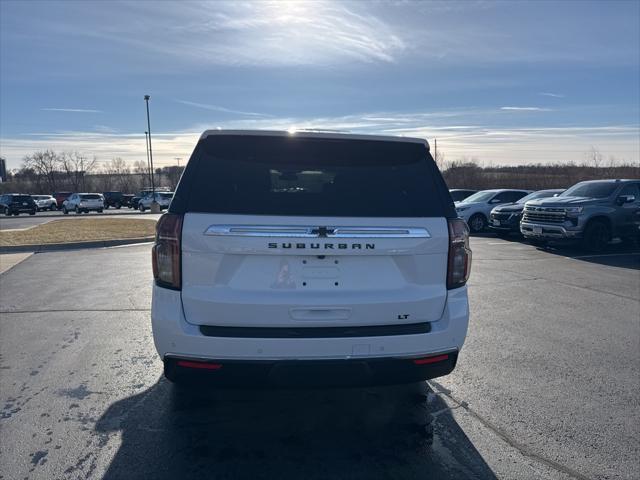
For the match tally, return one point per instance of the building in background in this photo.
(3, 170)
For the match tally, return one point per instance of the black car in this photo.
(114, 199)
(459, 194)
(15, 204)
(505, 219)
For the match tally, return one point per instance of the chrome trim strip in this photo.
(313, 231)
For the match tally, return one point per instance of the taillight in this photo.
(165, 254)
(459, 266)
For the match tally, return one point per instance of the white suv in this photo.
(163, 199)
(83, 202)
(310, 258)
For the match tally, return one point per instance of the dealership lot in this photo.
(27, 221)
(546, 386)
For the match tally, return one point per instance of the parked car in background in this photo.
(505, 219)
(133, 203)
(278, 259)
(126, 199)
(592, 213)
(17, 203)
(476, 208)
(114, 199)
(61, 197)
(83, 203)
(45, 202)
(459, 194)
(163, 199)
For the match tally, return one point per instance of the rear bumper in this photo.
(381, 355)
(311, 373)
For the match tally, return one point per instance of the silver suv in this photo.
(591, 213)
(310, 258)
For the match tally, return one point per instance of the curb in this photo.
(125, 211)
(48, 247)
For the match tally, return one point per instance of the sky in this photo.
(503, 82)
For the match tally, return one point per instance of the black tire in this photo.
(16, 213)
(106, 207)
(99, 210)
(596, 236)
(477, 223)
(77, 210)
(7, 212)
(141, 208)
(33, 212)
(117, 205)
(65, 211)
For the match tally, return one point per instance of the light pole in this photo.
(155, 207)
(146, 139)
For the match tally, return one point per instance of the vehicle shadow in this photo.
(365, 433)
(621, 255)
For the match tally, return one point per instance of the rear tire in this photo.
(141, 208)
(477, 223)
(596, 236)
(65, 211)
(78, 211)
(117, 205)
(32, 212)
(99, 210)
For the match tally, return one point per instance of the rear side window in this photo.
(282, 175)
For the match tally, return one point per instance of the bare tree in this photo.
(118, 173)
(45, 166)
(76, 166)
(594, 158)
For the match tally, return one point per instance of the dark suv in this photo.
(114, 199)
(15, 204)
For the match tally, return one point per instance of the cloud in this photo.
(280, 33)
(456, 138)
(549, 94)
(71, 110)
(218, 108)
(526, 109)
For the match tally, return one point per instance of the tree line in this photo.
(45, 172)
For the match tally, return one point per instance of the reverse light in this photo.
(459, 263)
(166, 252)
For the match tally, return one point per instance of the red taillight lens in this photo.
(201, 365)
(166, 252)
(428, 360)
(459, 266)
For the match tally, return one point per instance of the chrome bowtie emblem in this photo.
(322, 232)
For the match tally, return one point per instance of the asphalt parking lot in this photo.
(547, 385)
(27, 221)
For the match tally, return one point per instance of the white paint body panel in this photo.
(240, 281)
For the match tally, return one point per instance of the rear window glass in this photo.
(90, 196)
(273, 175)
(21, 198)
